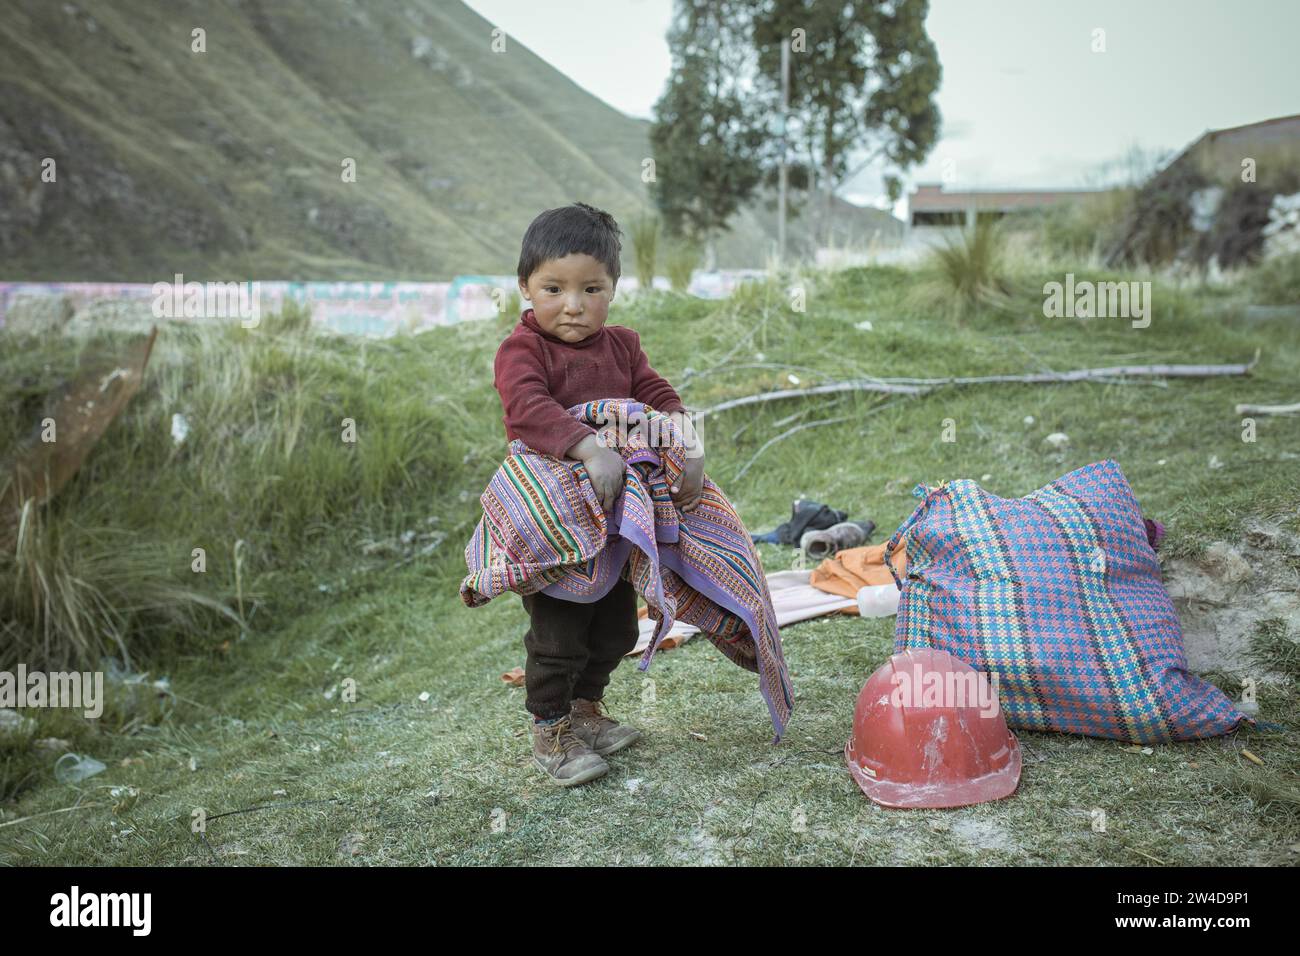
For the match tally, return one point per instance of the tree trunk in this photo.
(828, 186)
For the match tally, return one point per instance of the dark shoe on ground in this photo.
(819, 545)
(563, 754)
(804, 516)
(602, 733)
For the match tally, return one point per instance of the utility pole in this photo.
(785, 109)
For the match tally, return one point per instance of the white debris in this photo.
(1057, 440)
(1204, 204)
(180, 428)
(878, 600)
(113, 376)
(12, 722)
(73, 768)
(863, 326)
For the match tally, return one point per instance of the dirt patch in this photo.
(982, 834)
(1223, 597)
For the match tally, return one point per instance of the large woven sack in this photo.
(1059, 595)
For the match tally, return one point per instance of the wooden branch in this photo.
(832, 388)
(922, 386)
(1268, 409)
(777, 366)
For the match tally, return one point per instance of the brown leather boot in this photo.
(602, 733)
(563, 755)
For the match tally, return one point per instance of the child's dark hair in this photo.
(566, 230)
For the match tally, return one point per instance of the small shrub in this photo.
(645, 246)
(1077, 231)
(681, 261)
(971, 272)
(1276, 281)
(75, 594)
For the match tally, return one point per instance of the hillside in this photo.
(227, 163)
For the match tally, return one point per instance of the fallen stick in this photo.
(923, 386)
(1268, 409)
(80, 806)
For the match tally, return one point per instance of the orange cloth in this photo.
(855, 568)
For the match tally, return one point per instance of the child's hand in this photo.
(605, 468)
(690, 485)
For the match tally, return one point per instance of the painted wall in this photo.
(353, 308)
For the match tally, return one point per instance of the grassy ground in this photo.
(254, 719)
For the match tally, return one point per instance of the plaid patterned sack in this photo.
(1058, 594)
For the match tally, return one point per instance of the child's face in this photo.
(570, 296)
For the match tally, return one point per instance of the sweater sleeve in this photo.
(649, 386)
(531, 414)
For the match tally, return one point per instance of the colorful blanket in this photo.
(543, 529)
(1059, 595)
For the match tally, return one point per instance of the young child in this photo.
(561, 354)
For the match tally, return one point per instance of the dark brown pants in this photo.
(573, 648)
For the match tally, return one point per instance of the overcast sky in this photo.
(1025, 100)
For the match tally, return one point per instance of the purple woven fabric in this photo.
(1058, 593)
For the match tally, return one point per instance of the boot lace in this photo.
(565, 739)
(594, 708)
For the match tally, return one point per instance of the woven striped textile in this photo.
(1059, 594)
(543, 529)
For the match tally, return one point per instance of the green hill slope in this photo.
(227, 163)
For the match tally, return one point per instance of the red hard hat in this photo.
(928, 732)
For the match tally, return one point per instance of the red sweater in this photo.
(538, 376)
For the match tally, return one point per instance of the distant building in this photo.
(1219, 152)
(930, 205)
